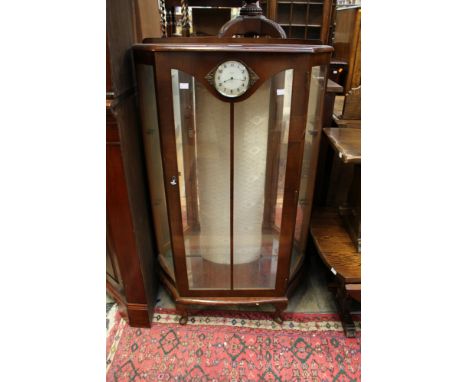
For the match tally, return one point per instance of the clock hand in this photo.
(232, 78)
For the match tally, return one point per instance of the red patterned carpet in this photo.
(234, 346)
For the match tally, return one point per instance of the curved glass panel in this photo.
(309, 164)
(261, 129)
(203, 159)
(152, 144)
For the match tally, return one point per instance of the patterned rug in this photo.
(227, 346)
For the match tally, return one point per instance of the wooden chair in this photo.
(350, 116)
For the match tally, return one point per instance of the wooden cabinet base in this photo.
(139, 315)
(185, 305)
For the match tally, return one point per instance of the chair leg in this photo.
(344, 302)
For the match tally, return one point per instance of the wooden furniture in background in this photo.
(146, 19)
(207, 16)
(334, 176)
(347, 112)
(347, 43)
(346, 142)
(325, 157)
(251, 23)
(131, 267)
(305, 19)
(208, 21)
(332, 90)
(338, 71)
(339, 254)
(336, 231)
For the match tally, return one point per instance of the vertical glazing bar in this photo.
(231, 222)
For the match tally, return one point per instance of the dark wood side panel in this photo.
(112, 267)
(133, 278)
(128, 216)
(120, 225)
(108, 69)
(114, 285)
(136, 180)
(135, 171)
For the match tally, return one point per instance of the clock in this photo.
(232, 79)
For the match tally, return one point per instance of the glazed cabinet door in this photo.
(235, 185)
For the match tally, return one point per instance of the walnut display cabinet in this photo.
(231, 131)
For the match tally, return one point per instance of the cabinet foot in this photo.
(279, 309)
(182, 311)
(183, 320)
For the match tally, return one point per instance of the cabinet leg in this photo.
(280, 307)
(182, 311)
(344, 309)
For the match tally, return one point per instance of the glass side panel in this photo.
(261, 128)
(309, 163)
(145, 78)
(203, 159)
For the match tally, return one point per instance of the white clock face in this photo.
(231, 79)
